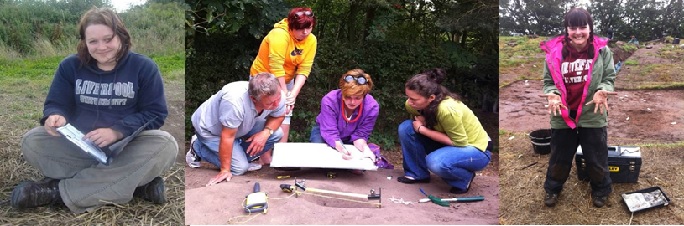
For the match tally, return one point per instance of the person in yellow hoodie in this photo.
(288, 52)
(443, 136)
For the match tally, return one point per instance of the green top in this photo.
(458, 122)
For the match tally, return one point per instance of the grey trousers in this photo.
(85, 184)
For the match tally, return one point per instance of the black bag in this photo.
(645, 199)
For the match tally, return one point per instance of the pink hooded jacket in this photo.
(601, 76)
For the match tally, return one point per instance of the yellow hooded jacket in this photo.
(282, 55)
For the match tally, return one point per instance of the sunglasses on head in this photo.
(306, 13)
(359, 79)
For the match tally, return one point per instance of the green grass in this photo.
(525, 46)
(631, 62)
(29, 68)
(629, 48)
(172, 67)
(664, 86)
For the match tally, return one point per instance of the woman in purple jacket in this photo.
(347, 114)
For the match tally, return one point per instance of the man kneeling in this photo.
(237, 125)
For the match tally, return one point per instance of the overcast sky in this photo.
(122, 5)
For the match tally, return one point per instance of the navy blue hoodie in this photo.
(123, 99)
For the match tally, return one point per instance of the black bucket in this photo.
(541, 141)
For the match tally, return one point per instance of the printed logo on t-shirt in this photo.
(575, 72)
(104, 94)
(296, 52)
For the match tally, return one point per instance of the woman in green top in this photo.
(443, 136)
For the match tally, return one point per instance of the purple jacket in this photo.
(332, 122)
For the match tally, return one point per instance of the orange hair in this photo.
(353, 88)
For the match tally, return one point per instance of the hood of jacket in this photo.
(92, 65)
(282, 24)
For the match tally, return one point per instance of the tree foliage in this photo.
(27, 22)
(646, 19)
(389, 39)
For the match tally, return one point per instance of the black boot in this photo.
(551, 199)
(153, 191)
(34, 194)
(599, 201)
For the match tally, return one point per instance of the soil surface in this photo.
(175, 121)
(222, 203)
(655, 66)
(635, 116)
(651, 119)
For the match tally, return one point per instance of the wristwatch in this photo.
(270, 131)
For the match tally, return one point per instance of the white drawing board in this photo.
(319, 155)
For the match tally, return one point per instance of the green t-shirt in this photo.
(458, 122)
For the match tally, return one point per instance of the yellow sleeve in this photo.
(451, 120)
(277, 49)
(305, 67)
(410, 110)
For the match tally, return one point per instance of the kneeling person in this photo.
(347, 114)
(237, 125)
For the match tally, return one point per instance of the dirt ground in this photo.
(522, 110)
(651, 119)
(222, 203)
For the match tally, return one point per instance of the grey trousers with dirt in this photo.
(85, 184)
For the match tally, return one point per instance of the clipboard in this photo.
(76, 137)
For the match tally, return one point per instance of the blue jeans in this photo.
(316, 137)
(208, 149)
(422, 155)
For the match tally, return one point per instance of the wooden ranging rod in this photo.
(300, 185)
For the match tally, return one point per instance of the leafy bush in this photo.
(47, 28)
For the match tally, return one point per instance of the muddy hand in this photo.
(555, 104)
(52, 122)
(220, 178)
(600, 100)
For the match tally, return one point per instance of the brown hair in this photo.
(574, 18)
(301, 21)
(353, 87)
(108, 18)
(429, 83)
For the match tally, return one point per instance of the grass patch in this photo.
(524, 46)
(172, 67)
(673, 52)
(631, 62)
(522, 178)
(24, 84)
(629, 47)
(40, 68)
(661, 86)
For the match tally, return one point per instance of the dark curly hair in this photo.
(429, 83)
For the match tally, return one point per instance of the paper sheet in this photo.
(319, 155)
(75, 136)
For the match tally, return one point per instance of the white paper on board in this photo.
(319, 155)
